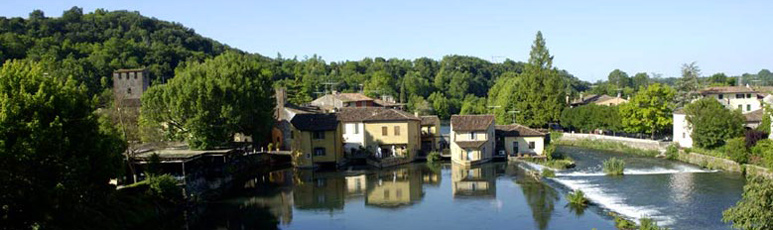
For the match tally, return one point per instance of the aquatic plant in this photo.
(623, 223)
(433, 156)
(577, 198)
(646, 223)
(614, 166)
(548, 173)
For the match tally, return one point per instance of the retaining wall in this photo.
(631, 142)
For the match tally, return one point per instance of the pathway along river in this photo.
(488, 196)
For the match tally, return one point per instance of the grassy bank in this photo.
(607, 145)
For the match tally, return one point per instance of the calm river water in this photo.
(488, 196)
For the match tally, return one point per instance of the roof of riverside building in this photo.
(471, 122)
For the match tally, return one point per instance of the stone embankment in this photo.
(642, 144)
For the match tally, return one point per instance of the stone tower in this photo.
(129, 84)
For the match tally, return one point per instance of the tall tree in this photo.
(639, 80)
(712, 124)
(207, 103)
(56, 155)
(649, 111)
(541, 91)
(619, 79)
(688, 85)
(755, 209)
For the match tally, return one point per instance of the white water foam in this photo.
(614, 202)
(649, 171)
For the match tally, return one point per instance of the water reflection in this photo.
(540, 197)
(477, 181)
(319, 191)
(394, 188)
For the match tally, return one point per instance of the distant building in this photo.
(430, 133)
(129, 84)
(597, 99)
(338, 100)
(516, 140)
(472, 138)
(388, 101)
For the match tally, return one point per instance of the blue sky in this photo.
(587, 38)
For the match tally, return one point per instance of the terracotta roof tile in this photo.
(471, 122)
(754, 116)
(430, 120)
(349, 97)
(470, 144)
(727, 89)
(515, 130)
(366, 114)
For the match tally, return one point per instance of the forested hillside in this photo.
(90, 46)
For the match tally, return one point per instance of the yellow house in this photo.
(389, 135)
(472, 138)
(316, 139)
(518, 140)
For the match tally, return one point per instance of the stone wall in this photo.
(631, 142)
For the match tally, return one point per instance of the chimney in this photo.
(416, 114)
(281, 100)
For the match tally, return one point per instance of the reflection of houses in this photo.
(316, 139)
(472, 138)
(394, 188)
(319, 191)
(477, 181)
(430, 133)
(356, 185)
(747, 99)
(517, 140)
(381, 133)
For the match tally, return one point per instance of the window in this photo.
(748, 95)
(397, 130)
(531, 145)
(308, 156)
(319, 151)
(129, 91)
(748, 107)
(319, 135)
(515, 148)
(384, 131)
(472, 135)
(684, 135)
(356, 129)
(386, 194)
(720, 96)
(320, 182)
(740, 96)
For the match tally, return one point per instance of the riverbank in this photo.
(643, 148)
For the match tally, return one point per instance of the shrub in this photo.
(753, 136)
(548, 173)
(433, 156)
(763, 150)
(648, 224)
(614, 166)
(549, 151)
(737, 151)
(672, 152)
(577, 198)
(164, 187)
(754, 210)
(623, 223)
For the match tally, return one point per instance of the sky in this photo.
(587, 38)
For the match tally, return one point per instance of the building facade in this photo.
(316, 139)
(472, 138)
(517, 140)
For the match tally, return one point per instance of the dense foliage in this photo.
(208, 102)
(577, 197)
(586, 118)
(650, 111)
(56, 155)
(755, 209)
(736, 150)
(712, 124)
(613, 166)
(90, 46)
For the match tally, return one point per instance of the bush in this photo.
(763, 151)
(577, 198)
(755, 209)
(548, 173)
(433, 156)
(614, 166)
(164, 187)
(648, 224)
(737, 151)
(753, 136)
(623, 223)
(672, 152)
(549, 151)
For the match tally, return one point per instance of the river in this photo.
(489, 196)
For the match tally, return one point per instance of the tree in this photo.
(755, 209)
(650, 111)
(381, 83)
(640, 80)
(619, 79)
(440, 104)
(207, 103)
(718, 79)
(712, 123)
(473, 105)
(688, 85)
(56, 154)
(540, 94)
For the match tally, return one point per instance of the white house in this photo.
(682, 130)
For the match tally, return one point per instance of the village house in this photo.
(337, 100)
(472, 138)
(517, 140)
(430, 134)
(381, 133)
(749, 100)
(316, 140)
(598, 100)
